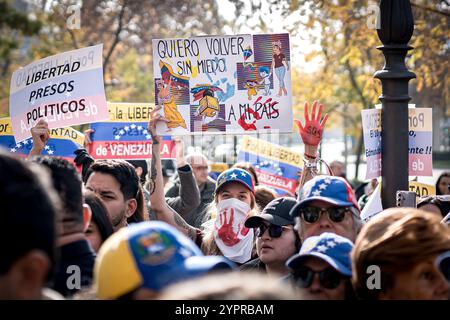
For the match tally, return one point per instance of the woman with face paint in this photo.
(225, 233)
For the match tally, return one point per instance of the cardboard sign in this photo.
(62, 143)
(276, 166)
(420, 141)
(125, 136)
(65, 89)
(223, 84)
(422, 189)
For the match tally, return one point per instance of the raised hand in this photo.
(311, 132)
(40, 134)
(155, 117)
(87, 137)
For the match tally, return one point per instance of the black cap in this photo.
(276, 212)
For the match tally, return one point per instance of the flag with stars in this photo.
(330, 247)
(125, 136)
(62, 143)
(276, 167)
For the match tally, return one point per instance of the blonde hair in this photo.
(209, 246)
(395, 240)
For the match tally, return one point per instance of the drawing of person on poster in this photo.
(279, 66)
(166, 98)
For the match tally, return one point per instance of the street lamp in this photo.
(397, 26)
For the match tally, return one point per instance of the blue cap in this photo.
(150, 255)
(236, 175)
(330, 247)
(330, 189)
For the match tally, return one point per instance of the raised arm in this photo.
(311, 134)
(188, 197)
(157, 199)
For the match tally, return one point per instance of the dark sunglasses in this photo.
(328, 278)
(274, 230)
(312, 214)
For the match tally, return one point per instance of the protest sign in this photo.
(223, 84)
(422, 189)
(62, 143)
(276, 166)
(420, 141)
(125, 136)
(371, 123)
(65, 89)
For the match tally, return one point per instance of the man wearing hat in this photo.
(327, 204)
(322, 269)
(139, 261)
(276, 238)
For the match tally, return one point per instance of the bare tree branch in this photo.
(422, 7)
(116, 36)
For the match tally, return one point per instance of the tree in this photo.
(345, 31)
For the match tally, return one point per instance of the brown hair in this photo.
(264, 195)
(395, 240)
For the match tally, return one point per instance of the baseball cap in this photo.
(329, 247)
(276, 212)
(235, 175)
(330, 189)
(150, 255)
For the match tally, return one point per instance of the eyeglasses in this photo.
(274, 230)
(313, 214)
(328, 278)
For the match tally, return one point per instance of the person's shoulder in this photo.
(252, 265)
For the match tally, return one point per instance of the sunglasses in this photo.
(274, 230)
(313, 214)
(328, 278)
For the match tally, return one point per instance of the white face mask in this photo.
(234, 240)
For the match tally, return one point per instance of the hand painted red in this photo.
(311, 132)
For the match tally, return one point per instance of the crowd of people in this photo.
(120, 230)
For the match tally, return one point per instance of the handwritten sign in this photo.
(223, 84)
(422, 189)
(65, 89)
(420, 141)
(371, 122)
(276, 166)
(125, 136)
(62, 143)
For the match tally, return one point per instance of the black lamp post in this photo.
(396, 29)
